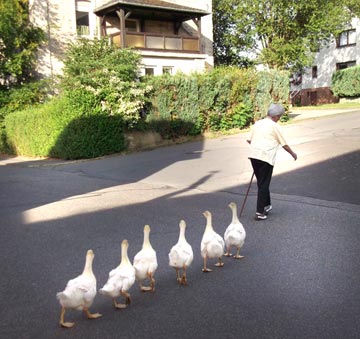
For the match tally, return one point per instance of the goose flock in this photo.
(80, 292)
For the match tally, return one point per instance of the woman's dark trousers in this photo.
(263, 173)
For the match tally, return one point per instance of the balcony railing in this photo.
(158, 42)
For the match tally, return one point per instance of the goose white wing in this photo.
(235, 235)
(145, 261)
(181, 254)
(212, 245)
(79, 292)
(120, 279)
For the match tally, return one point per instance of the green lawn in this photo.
(343, 105)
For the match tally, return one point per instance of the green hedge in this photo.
(221, 99)
(272, 86)
(18, 98)
(346, 82)
(77, 126)
(55, 129)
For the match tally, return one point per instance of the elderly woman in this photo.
(265, 139)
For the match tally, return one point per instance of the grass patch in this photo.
(342, 105)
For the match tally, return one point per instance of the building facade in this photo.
(313, 86)
(171, 36)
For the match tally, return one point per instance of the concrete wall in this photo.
(53, 17)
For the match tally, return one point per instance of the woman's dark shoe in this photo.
(267, 209)
(260, 216)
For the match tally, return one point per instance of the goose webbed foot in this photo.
(119, 305)
(92, 315)
(146, 288)
(64, 323)
(238, 256)
(205, 270)
(219, 263)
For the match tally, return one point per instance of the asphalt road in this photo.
(299, 277)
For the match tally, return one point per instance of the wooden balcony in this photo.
(153, 41)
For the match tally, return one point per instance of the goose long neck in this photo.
(124, 254)
(146, 243)
(182, 232)
(209, 222)
(88, 265)
(235, 219)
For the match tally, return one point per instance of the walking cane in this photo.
(247, 193)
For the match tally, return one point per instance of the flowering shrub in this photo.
(100, 79)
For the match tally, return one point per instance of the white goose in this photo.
(79, 292)
(212, 244)
(234, 234)
(145, 263)
(121, 279)
(181, 255)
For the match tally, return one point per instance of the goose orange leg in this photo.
(228, 254)
(219, 263)
(152, 284)
(238, 256)
(127, 298)
(62, 322)
(178, 278)
(205, 269)
(183, 278)
(127, 302)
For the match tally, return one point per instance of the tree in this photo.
(227, 45)
(19, 41)
(281, 34)
(354, 7)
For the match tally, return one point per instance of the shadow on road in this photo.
(335, 179)
(297, 277)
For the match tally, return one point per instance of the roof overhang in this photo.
(151, 9)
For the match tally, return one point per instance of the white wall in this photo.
(60, 27)
(327, 59)
(179, 63)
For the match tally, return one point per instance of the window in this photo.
(167, 70)
(149, 71)
(82, 23)
(314, 72)
(296, 79)
(346, 38)
(132, 25)
(343, 65)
